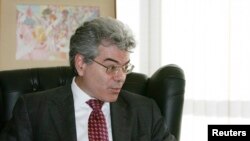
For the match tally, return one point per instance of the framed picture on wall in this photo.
(37, 34)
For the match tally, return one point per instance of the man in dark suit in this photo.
(99, 55)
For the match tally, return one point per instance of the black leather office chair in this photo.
(166, 86)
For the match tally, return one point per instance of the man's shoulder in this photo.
(48, 94)
(134, 99)
(132, 94)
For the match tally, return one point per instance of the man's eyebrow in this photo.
(113, 60)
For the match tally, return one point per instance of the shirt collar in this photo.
(79, 95)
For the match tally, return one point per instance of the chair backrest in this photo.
(166, 86)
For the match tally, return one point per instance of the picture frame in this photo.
(11, 43)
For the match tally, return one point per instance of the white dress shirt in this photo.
(82, 112)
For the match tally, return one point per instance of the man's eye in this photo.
(126, 67)
(112, 67)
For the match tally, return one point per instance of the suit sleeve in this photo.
(19, 127)
(160, 131)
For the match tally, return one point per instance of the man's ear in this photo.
(80, 64)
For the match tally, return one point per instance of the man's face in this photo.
(96, 82)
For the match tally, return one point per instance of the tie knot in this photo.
(95, 104)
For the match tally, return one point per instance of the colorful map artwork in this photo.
(43, 31)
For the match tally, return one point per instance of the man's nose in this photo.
(120, 75)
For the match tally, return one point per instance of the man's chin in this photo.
(113, 98)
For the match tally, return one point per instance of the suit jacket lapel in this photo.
(120, 121)
(62, 113)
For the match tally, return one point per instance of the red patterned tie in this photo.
(97, 128)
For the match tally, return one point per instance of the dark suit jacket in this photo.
(49, 116)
